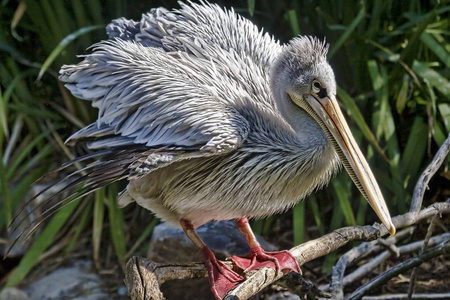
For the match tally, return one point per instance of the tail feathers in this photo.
(108, 167)
(99, 169)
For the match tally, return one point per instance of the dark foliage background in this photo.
(391, 60)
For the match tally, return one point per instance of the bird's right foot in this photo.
(221, 277)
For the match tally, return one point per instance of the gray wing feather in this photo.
(187, 80)
(123, 28)
(150, 97)
(194, 27)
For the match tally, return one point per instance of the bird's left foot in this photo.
(258, 258)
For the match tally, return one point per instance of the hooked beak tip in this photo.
(391, 229)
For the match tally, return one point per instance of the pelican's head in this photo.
(306, 80)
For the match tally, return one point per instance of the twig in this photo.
(422, 183)
(442, 248)
(414, 217)
(363, 250)
(391, 247)
(337, 279)
(424, 247)
(363, 270)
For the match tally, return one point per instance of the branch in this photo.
(363, 250)
(338, 282)
(143, 277)
(422, 183)
(424, 246)
(442, 248)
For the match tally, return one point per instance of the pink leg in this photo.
(258, 258)
(221, 277)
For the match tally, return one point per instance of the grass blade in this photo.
(416, 146)
(338, 44)
(292, 16)
(142, 237)
(6, 208)
(62, 45)
(437, 49)
(117, 225)
(4, 130)
(41, 243)
(97, 226)
(23, 154)
(298, 220)
(336, 222)
(312, 203)
(357, 116)
(251, 7)
(79, 229)
(341, 186)
(434, 78)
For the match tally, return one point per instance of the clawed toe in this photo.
(258, 258)
(222, 278)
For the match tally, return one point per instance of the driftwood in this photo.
(144, 277)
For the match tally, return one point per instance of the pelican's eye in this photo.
(318, 89)
(316, 86)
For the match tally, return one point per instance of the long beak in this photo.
(329, 116)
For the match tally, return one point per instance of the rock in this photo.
(122, 291)
(75, 282)
(170, 244)
(13, 294)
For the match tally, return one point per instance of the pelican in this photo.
(210, 119)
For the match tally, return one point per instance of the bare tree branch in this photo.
(422, 183)
(338, 283)
(363, 250)
(143, 278)
(425, 245)
(442, 248)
